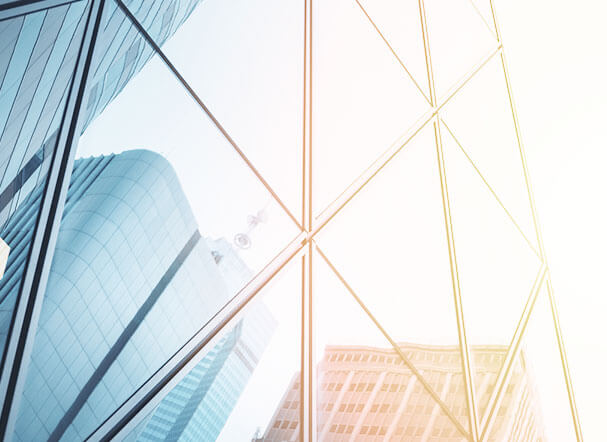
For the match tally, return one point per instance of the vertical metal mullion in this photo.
(308, 372)
(307, 212)
(457, 298)
(29, 302)
(555, 316)
(308, 377)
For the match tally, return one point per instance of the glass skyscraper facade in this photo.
(202, 198)
(124, 291)
(200, 405)
(38, 56)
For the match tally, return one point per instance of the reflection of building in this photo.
(38, 55)
(37, 58)
(199, 406)
(131, 281)
(367, 393)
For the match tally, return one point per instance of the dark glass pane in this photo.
(37, 59)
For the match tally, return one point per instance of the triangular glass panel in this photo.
(365, 389)
(399, 23)
(162, 226)
(363, 100)
(390, 244)
(247, 67)
(35, 76)
(479, 119)
(535, 404)
(459, 39)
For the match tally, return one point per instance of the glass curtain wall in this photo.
(285, 220)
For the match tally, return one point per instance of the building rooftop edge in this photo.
(414, 346)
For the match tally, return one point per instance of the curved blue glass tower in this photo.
(131, 281)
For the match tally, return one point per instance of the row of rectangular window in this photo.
(381, 431)
(370, 430)
(333, 386)
(283, 425)
(349, 357)
(363, 357)
(409, 431)
(292, 405)
(381, 408)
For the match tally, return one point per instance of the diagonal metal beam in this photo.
(457, 297)
(482, 17)
(564, 362)
(376, 166)
(206, 110)
(513, 350)
(396, 347)
(531, 246)
(555, 316)
(149, 395)
(153, 391)
(393, 51)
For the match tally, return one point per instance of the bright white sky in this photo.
(244, 60)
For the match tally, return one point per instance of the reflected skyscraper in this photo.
(106, 260)
(198, 408)
(368, 393)
(131, 280)
(38, 55)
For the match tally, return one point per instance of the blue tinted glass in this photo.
(37, 59)
(147, 250)
(218, 398)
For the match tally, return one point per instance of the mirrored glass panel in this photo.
(38, 54)
(247, 67)
(163, 224)
(370, 388)
(401, 271)
(221, 397)
(364, 99)
(187, 197)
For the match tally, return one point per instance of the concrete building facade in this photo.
(369, 394)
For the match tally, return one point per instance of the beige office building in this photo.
(369, 394)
